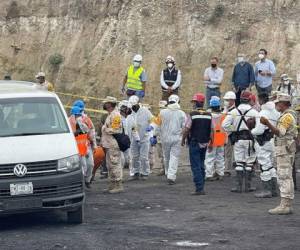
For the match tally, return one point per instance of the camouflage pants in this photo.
(113, 162)
(285, 161)
(229, 159)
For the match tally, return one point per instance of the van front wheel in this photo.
(76, 217)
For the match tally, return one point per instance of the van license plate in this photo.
(21, 188)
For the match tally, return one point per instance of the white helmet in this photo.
(174, 98)
(138, 58)
(170, 59)
(124, 103)
(133, 100)
(230, 95)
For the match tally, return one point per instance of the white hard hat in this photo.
(174, 98)
(230, 95)
(133, 100)
(170, 59)
(138, 58)
(124, 103)
(40, 74)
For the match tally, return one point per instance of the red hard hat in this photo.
(199, 97)
(246, 95)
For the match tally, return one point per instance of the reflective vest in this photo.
(133, 78)
(219, 135)
(170, 77)
(82, 144)
(201, 126)
(81, 139)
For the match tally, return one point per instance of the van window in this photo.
(31, 116)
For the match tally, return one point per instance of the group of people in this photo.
(223, 133)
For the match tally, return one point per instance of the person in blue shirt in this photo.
(242, 77)
(264, 72)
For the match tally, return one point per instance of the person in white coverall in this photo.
(264, 146)
(214, 158)
(137, 123)
(171, 122)
(237, 124)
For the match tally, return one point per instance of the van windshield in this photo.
(31, 116)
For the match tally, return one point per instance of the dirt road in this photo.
(153, 215)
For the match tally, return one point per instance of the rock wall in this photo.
(97, 39)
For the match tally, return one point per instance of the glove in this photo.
(149, 128)
(153, 141)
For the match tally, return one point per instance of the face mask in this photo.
(226, 103)
(136, 64)
(197, 105)
(170, 65)
(286, 82)
(240, 59)
(135, 108)
(261, 56)
(213, 65)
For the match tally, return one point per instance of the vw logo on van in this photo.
(20, 170)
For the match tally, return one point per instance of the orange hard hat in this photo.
(99, 156)
(199, 97)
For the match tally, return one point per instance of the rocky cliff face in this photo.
(86, 45)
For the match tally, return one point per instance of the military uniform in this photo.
(113, 125)
(285, 149)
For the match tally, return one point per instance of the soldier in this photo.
(112, 125)
(238, 124)
(285, 148)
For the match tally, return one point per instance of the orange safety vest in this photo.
(82, 144)
(219, 135)
(82, 139)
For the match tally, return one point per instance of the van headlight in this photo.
(68, 164)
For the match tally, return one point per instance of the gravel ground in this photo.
(152, 215)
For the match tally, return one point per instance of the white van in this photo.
(39, 163)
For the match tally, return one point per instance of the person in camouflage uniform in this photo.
(112, 125)
(285, 147)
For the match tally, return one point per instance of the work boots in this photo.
(239, 182)
(117, 187)
(267, 190)
(274, 187)
(285, 207)
(248, 179)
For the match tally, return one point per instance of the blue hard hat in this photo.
(214, 102)
(80, 104)
(75, 110)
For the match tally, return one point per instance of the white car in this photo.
(39, 162)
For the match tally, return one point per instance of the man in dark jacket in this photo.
(243, 77)
(170, 79)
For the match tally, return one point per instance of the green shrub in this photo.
(56, 59)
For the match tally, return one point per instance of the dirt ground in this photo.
(153, 215)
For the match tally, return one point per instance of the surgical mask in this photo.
(261, 56)
(213, 65)
(136, 64)
(240, 59)
(170, 65)
(226, 103)
(286, 82)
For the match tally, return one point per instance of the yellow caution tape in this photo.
(89, 110)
